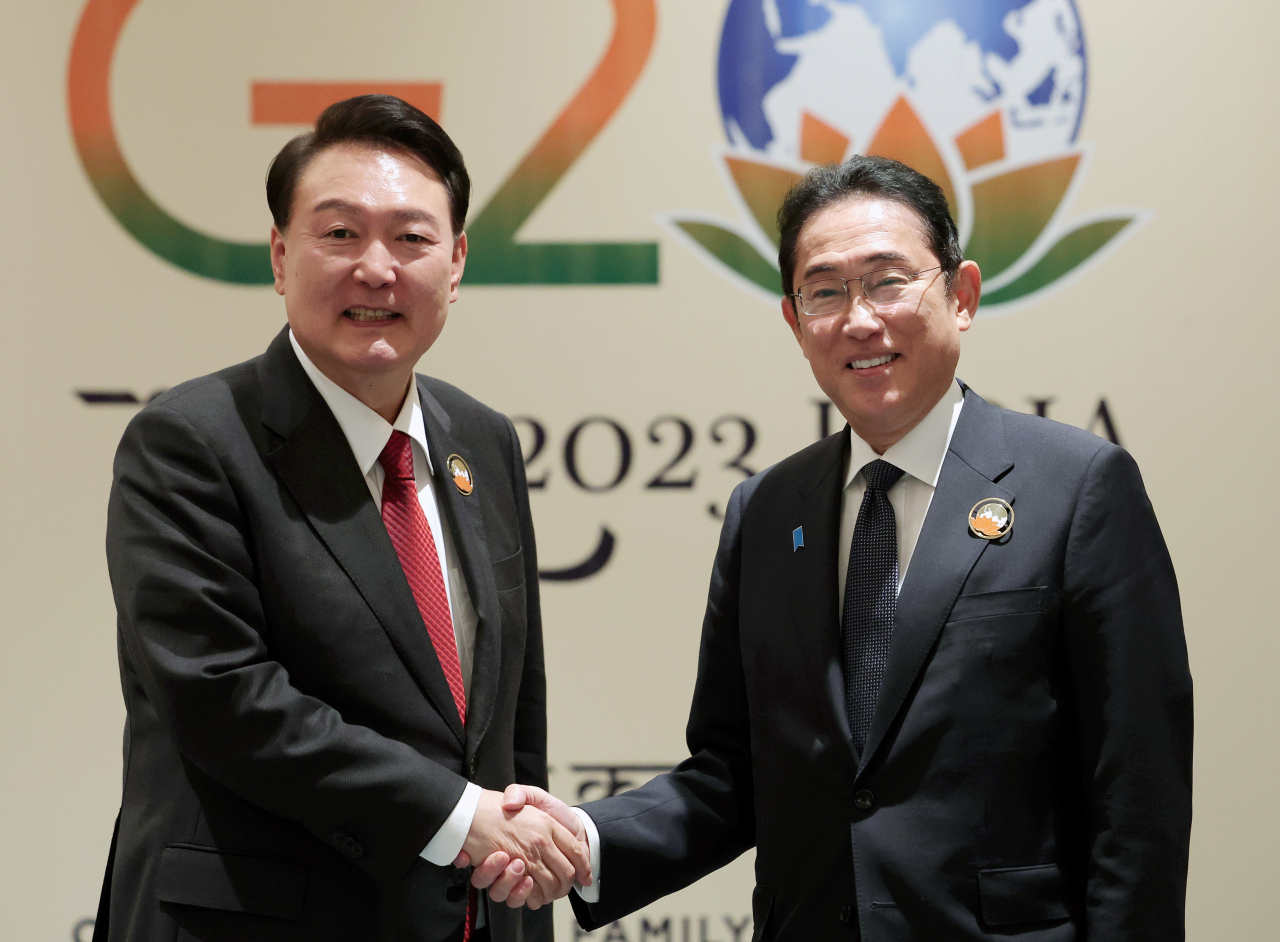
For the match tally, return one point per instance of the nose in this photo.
(863, 321)
(376, 266)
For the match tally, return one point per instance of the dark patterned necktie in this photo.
(870, 598)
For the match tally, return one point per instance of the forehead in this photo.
(863, 231)
(367, 175)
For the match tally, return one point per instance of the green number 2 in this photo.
(494, 256)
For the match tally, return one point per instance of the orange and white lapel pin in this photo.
(461, 475)
(991, 519)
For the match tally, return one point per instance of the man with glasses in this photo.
(943, 685)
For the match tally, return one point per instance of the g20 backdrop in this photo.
(1112, 171)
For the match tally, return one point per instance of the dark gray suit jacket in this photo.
(1027, 773)
(292, 744)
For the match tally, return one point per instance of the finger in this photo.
(515, 797)
(525, 893)
(561, 812)
(536, 899)
(576, 854)
(552, 872)
(508, 880)
(491, 868)
(462, 860)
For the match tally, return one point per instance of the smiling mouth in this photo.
(365, 315)
(877, 361)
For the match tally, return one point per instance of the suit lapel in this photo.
(466, 523)
(814, 588)
(317, 466)
(944, 555)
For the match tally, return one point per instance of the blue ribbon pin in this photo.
(797, 538)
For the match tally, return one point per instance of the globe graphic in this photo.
(846, 62)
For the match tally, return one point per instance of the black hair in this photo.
(380, 121)
(877, 177)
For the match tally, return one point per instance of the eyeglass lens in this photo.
(829, 295)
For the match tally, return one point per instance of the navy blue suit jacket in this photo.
(1027, 773)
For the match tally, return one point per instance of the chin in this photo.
(874, 415)
(372, 359)
(872, 402)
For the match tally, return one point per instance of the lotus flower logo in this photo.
(985, 99)
(987, 526)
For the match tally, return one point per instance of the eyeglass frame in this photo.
(915, 276)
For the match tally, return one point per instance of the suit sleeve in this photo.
(530, 735)
(1132, 689)
(682, 825)
(531, 708)
(192, 625)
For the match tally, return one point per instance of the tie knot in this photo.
(397, 457)
(880, 475)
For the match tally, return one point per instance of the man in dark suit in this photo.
(933, 721)
(327, 589)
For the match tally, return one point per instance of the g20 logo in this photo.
(984, 96)
(496, 258)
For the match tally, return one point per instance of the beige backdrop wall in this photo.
(1174, 327)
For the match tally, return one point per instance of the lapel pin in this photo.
(797, 538)
(461, 474)
(991, 519)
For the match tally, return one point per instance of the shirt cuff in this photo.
(590, 894)
(447, 844)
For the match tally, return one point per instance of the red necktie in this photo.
(411, 536)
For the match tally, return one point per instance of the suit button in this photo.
(455, 893)
(863, 799)
(472, 764)
(458, 877)
(356, 849)
(846, 914)
(340, 839)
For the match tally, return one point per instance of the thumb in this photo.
(517, 796)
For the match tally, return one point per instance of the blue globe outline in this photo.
(743, 38)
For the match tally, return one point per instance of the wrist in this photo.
(477, 845)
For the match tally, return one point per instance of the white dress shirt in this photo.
(919, 454)
(368, 433)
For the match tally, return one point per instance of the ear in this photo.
(968, 292)
(457, 265)
(789, 315)
(277, 259)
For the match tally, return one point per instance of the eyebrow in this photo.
(404, 215)
(827, 267)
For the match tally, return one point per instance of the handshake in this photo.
(528, 847)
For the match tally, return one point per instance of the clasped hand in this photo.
(531, 845)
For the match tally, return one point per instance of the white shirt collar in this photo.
(921, 450)
(367, 432)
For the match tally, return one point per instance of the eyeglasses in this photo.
(881, 288)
